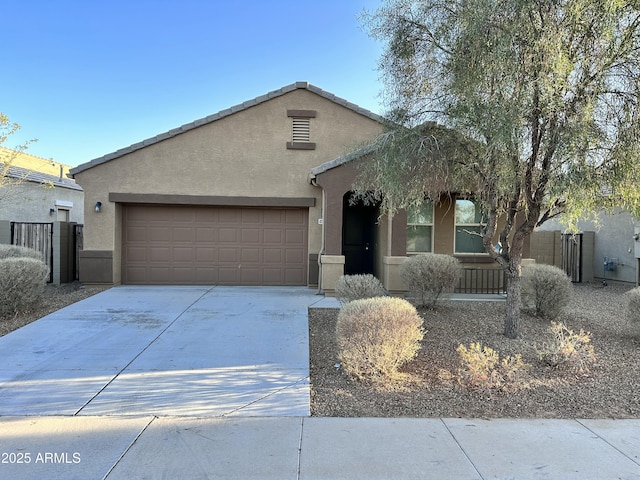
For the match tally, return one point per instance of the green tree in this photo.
(530, 106)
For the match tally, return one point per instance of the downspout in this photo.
(322, 211)
(389, 229)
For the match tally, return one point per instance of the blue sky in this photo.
(88, 77)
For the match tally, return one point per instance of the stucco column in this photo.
(391, 275)
(332, 270)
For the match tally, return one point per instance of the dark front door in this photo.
(358, 232)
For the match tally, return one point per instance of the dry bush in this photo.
(22, 282)
(357, 287)
(567, 348)
(633, 306)
(376, 336)
(14, 251)
(546, 290)
(430, 277)
(482, 368)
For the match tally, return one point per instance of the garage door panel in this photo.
(214, 245)
(294, 276)
(273, 216)
(273, 236)
(250, 255)
(183, 275)
(136, 274)
(296, 217)
(229, 215)
(204, 235)
(250, 236)
(159, 275)
(159, 254)
(228, 235)
(273, 255)
(136, 234)
(137, 254)
(206, 254)
(294, 256)
(251, 216)
(294, 237)
(183, 254)
(159, 234)
(226, 255)
(206, 275)
(183, 234)
(273, 276)
(207, 215)
(228, 276)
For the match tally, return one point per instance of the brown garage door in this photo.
(214, 245)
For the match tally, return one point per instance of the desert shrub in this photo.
(633, 306)
(546, 290)
(482, 369)
(14, 251)
(567, 348)
(376, 336)
(430, 277)
(22, 282)
(357, 287)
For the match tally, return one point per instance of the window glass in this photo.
(420, 228)
(468, 217)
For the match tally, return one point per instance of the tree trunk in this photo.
(514, 301)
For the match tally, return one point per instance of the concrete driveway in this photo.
(194, 351)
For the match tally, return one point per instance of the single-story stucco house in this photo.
(258, 194)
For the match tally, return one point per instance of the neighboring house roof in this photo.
(222, 114)
(27, 175)
(17, 158)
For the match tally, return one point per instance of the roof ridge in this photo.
(222, 114)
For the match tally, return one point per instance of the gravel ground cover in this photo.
(55, 297)
(430, 386)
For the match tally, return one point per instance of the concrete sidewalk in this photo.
(280, 448)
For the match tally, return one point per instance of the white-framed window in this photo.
(420, 228)
(468, 227)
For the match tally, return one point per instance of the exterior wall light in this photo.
(98, 207)
(52, 211)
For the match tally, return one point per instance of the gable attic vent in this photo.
(301, 129)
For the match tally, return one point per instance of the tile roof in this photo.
(342, 160)
(27, 175)
(222, 114)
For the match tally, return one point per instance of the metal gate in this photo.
(37, 236)
(572, 256)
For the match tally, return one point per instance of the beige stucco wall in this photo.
(31, 202)
(243, 154)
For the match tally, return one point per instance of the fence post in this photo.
(5, 232)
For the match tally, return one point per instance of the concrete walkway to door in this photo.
(186, 351)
